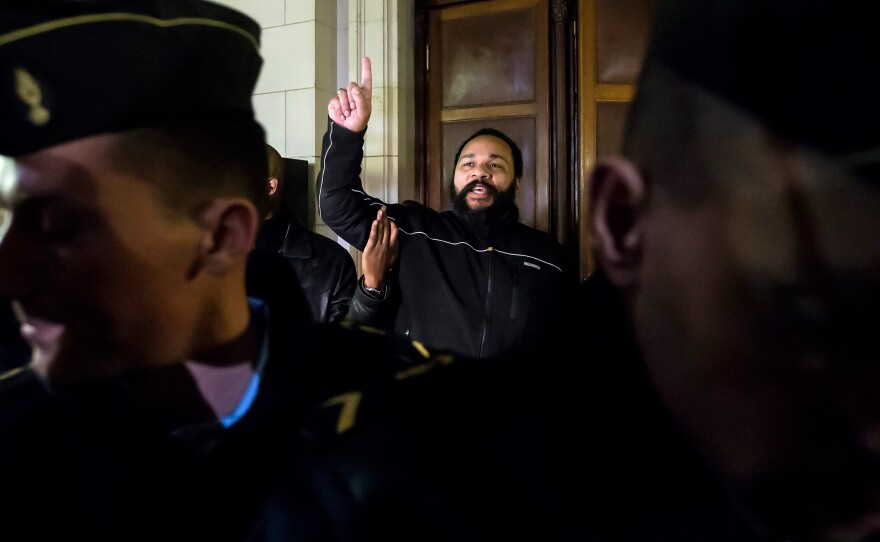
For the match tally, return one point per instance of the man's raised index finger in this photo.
(366, 74)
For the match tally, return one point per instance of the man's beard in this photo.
(489, 219)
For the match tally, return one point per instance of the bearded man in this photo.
(474, 280)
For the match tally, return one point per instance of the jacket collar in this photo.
(283, 234)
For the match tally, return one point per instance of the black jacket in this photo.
(361, 436)
(90, 463)
(324, 269)
(353, 436)
(452, 288)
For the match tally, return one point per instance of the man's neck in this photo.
(223, 376)
(221, 387)
(205, 387)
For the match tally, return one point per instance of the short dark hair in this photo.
(196, 161)
(514, 148)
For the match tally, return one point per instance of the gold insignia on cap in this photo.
(31, 94)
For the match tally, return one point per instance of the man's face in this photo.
(756, 313)
(100, 270)
(485, 161)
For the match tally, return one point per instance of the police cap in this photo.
(806, 68)
(70, 69)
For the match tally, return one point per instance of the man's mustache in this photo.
(490, 188)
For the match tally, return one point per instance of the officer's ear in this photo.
(229, 229)
(273, 186)
(617, 199)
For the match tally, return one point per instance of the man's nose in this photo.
(481, 173)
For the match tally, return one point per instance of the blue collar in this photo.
(258, 311)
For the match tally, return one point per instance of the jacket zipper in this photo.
(486, 313)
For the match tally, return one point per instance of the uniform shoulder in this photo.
(383, 377)
(459, 431)
(359, 351)
(359, 364)
(14, 381)
(22, 394)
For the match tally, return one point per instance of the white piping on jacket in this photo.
(324, 172)
(324, 169)
(465, 243)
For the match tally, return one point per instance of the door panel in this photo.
(610, 125)
(611, 45)
(557, 74)
(622, 28)
(488, 59)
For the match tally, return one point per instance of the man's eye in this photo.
(838, 320)
(59, 227)
(60, 235)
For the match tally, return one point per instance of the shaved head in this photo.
(275, 184)
(276, 163)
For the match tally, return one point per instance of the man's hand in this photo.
(380, 254)
(351, 107)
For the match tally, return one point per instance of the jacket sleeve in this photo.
(343, 290)
(369, 310)
(342, 202)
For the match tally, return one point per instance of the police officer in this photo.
(163, 402)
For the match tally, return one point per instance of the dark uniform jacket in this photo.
(452, 288)
(324, 269)
(366, 436)
(90, 463)
(353, 435)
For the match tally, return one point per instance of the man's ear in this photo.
(229, 230)
(273, 186)
(617, 199)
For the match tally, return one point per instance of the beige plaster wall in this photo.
(311, 48)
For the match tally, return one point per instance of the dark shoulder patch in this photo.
(22, 394)
(21, 380)
(363, 373)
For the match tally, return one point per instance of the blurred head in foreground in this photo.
(741, 224)
(130, 151)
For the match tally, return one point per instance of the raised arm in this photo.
(342, 202)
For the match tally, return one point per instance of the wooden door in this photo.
(556, 75)
(612, 42)
(487, 65)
